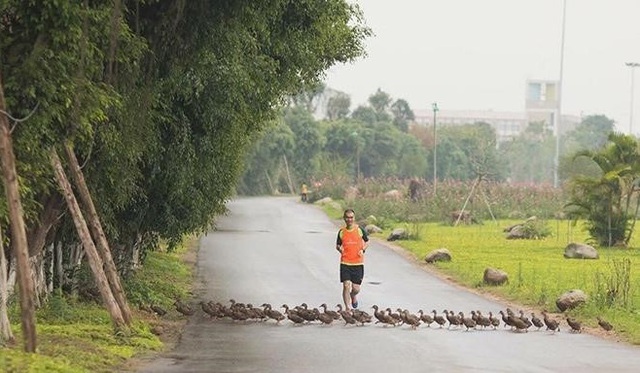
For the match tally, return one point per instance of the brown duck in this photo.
(158, 310)
(604, 324)
(551, 324)
(382, 317)
(525, 319)
(468, 322)
(332, 313)
(495, 322)
(536, 321)
(325, 318)
(576, 326)
(506, 319)
(306, 313)
(361, 316)
(440, 320)
(426, 318)
(183, 308)
(481, 320)
(292, 315)
(519, 324)
(206, 308)
(454, 320)
(272, 314)
(346, 316)
(411, 319)
(396, 316)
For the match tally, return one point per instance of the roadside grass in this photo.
(75, 336)
(538, 272)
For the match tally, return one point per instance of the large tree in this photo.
(159, 101)
(402, 114)
(338, 106)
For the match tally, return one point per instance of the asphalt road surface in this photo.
(278, 250)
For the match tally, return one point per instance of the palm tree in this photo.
(604, 198)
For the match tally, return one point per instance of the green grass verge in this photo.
(73, 336)
(538, 272)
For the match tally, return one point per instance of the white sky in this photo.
(478, 54)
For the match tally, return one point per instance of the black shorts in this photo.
(352, 273)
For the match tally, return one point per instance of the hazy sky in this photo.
(478, 54)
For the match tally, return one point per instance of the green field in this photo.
(538, 272)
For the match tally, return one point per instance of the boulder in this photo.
(580, 251)
(571, 299)
(526, 230)
(324, 201)
(517, 232)
(371, 219)
(494, 276)
(372, 228)
(398, 234)
(439, 255)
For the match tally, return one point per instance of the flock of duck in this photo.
(302, 314)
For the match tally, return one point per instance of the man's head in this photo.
(349, 217)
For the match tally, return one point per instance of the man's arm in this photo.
(365, 238)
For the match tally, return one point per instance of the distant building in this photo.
(506, 124)
(541, 105)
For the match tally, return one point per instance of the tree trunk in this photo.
(292, 190)
(6, 336)
(50, 268)
(59, 269)
(11, 279)
(18, 232)
(98, 235)
(36, 263)
(89, 247)
(50, 214)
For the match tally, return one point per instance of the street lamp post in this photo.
(558, 117)
(434, 106)
(633, 66)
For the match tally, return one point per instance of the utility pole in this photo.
(633, 66)
(558, 118)
(434, 106)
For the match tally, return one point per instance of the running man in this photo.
(352, 243)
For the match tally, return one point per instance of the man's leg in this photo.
(355, 289)
(356, 279)
(346, 294)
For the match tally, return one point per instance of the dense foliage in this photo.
(160, 100)
(606, 194)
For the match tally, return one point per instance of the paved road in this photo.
(278, 250)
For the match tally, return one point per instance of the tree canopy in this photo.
(160, 99)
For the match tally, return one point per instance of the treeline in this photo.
(380, 139)
(375, 145)
(158, 101)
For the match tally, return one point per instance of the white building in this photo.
(541, 105)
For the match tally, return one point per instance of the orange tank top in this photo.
(352, 243)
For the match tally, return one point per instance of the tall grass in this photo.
(502, 200)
